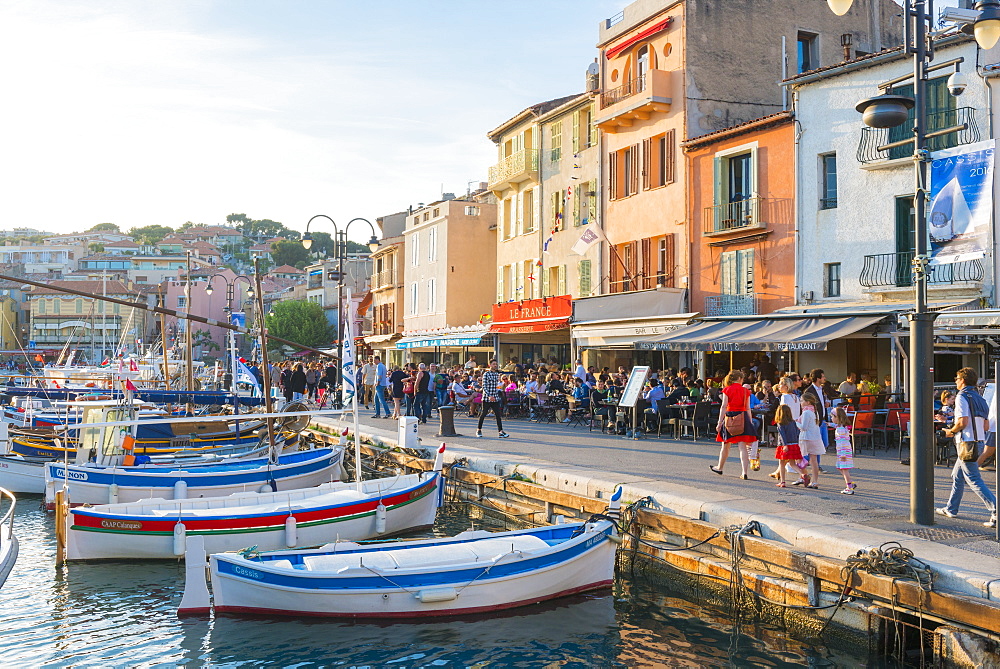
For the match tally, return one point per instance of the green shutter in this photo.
(584, 271)
(544, 271)
(562, 280)
(727, 273)
(576, 132)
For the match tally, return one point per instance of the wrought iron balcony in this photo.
(731, 216)
(732, 305)
(888, 270)
(515, 168)
(884, 144)
(635, 100)
(383, 279)
(628, 89)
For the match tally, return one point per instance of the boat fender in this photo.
(429, 595)
(181, 490)
(291, 529)
(380, 518)
(180, 538)
(113, 493)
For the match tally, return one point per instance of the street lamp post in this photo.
(886, 111)
(230, 294)
(340, 238)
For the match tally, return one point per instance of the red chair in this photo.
(862, 429)
(891, 425)
(904, 431)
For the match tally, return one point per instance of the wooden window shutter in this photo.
(576, 131)
(614, 269)
(583, 269)
(562, 280)
(545, 280)
(634, 186)
(647, 154)
(612, 176)
(577, 206)
(593, 128)
(500, 273)
(670, 263)
(644, 270)
(668, 158)
(554, 212)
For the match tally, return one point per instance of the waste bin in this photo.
(447, 416)
(406, 436)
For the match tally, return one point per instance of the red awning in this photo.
(535, 325)
(631, 41)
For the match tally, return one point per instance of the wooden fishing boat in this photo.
(473, 572)
(19, 474)
(87, 484)
(157, 528)
(8, 541)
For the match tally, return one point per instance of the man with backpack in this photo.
(970, 430)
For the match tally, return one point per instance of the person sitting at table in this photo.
(946, 414)
(696, 388)
(849, 386)
(554, 384)
(533, 385)
(599, 398)
(507, 384)
(460, 393)
(581, 393)
(679, 393)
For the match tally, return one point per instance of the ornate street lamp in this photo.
(340, 237)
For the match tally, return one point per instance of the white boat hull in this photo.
(373, 590)
(22, 476)
(148, 529)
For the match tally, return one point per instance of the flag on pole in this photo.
(244, 375)
(590, 236)
(347, 364)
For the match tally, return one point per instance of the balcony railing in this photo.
(384, 278)
(888, 270)
(514, 165)
(737, 215)
(732, 305)
(628, 89)
(877, 143)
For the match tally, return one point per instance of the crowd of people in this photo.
(807, 411)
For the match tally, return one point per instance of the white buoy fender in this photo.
(380, 518)
(437, 595)
(291, 532)
(113, 493)
(181, 490)
(180, 538)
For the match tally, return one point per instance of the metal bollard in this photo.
(447, 415)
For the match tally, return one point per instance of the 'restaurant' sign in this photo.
(538, 315)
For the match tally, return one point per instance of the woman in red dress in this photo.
(735, 401)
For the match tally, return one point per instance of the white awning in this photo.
(625, 332)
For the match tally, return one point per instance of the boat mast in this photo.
(265, 367)
(189, 341)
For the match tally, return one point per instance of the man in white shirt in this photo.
(471, 362)
(533, 385)
(971, 424)
(368, 374)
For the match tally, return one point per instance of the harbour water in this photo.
(122, 614)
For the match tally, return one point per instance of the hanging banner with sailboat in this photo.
(961, 202)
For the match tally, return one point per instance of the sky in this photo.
(141, 113)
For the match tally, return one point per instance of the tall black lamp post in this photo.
(887, 111)
(340, 238)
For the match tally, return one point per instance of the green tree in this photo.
(203, 338)
(105, 227)
(300, 321)
(285, 252)
(95, 247)
(150, 234)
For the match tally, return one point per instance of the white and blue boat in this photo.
(91, 483)
(473, 572)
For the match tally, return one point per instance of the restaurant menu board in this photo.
(633, 387)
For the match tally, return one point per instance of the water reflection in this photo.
(123, 613)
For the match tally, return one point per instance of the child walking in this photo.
(845, 452)
(788, 452)
(810, 438)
